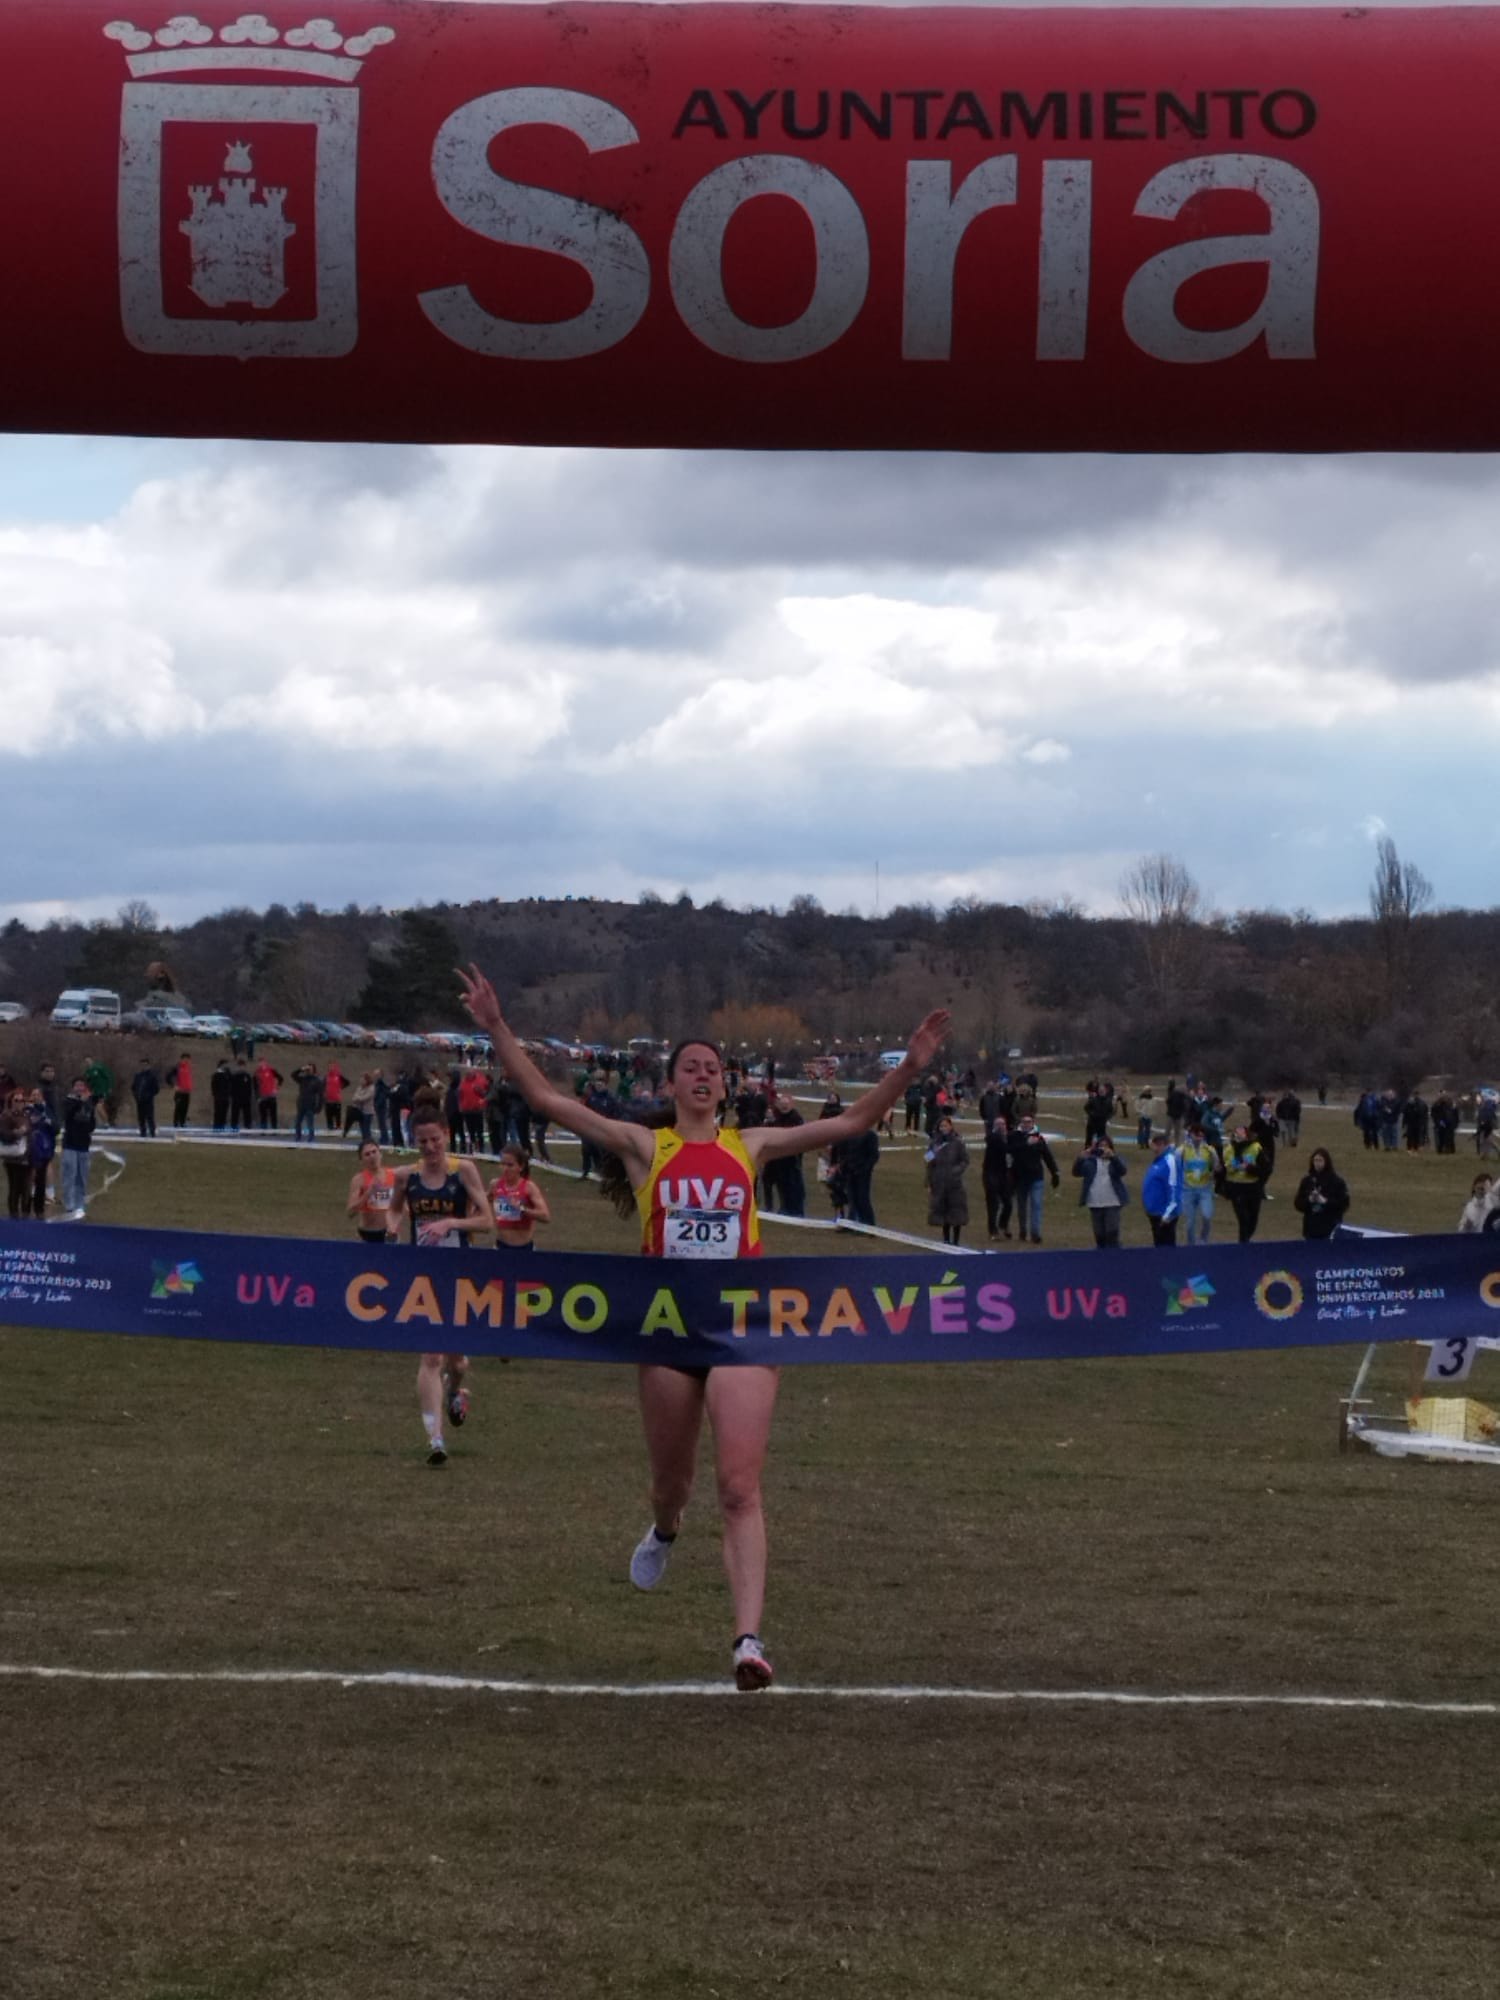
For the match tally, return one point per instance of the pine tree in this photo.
(415, 981)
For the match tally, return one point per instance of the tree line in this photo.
(1165, 985)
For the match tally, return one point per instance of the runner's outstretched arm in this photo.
(611, 1134)
(776, 1142)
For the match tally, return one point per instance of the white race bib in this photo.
(701, 1232)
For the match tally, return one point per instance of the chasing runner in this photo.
(446, 1203)
(516, 1202)
(371, 1193)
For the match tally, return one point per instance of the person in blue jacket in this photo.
(1104, 1193)
(1161, 1191)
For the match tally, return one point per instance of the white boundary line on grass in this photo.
(659, 1690)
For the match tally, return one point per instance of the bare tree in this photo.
(138, 915)
(1162, 898)
(1399, 894)
(1400, 891)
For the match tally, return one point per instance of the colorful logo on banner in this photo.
(1186, 1294)
(237, 200)
(1279, 1295)
(175, 1281)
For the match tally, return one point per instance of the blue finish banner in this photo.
(1012, 1306)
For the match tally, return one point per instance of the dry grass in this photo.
(1173, 1525)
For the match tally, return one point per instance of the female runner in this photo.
(446, 1202)
(371, 1192)
(738, 1401)
(516, 1202)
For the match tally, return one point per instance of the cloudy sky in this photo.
(240, 673)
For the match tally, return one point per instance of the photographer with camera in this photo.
(1104, 1193)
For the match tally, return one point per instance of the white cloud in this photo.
(998, 676)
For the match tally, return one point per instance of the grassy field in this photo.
(1182, 1526)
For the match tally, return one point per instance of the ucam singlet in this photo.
(699, 1199)
(424, 1204)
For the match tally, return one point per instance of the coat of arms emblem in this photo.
(238, 160)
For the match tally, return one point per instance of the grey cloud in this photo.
(1450, 634)
(332, 471)
(728, 511)
(605, 607)
(201, 826)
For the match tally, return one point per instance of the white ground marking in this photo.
(658, 1690)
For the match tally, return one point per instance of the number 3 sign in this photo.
(1450, 1360)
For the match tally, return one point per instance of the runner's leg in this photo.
(430, 1396)
(740, 1405)
(671, 1416)
(456, 1375)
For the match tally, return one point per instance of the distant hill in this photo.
(1261, 995)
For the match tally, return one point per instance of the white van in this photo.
(87, 1007)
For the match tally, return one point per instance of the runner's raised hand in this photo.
(481, 1002)
(929, 1038)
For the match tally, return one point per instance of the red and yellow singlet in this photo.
(699, 1199)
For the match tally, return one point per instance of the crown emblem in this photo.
(186, 43)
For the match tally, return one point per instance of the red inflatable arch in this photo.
(754, 225)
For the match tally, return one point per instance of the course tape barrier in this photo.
(692, 1312)
(751, 226)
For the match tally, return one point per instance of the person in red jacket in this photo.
(473, 1091)
(333, 1097)
(267, 1083)
(182, 1089)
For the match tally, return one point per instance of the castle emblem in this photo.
(218, 257)
(238, 238)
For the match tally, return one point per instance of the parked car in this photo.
(152, 1020)
(12, 1010)
(213, 1027)
(165, 1020)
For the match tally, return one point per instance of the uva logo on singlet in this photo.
(691, 1192)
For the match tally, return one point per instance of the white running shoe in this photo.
(752, 1670)
(437, 1452)
(648, 1563)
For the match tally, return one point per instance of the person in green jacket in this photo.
(100, 1079)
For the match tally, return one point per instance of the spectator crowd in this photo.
(1200, 1157)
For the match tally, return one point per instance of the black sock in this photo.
(660, 1536)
